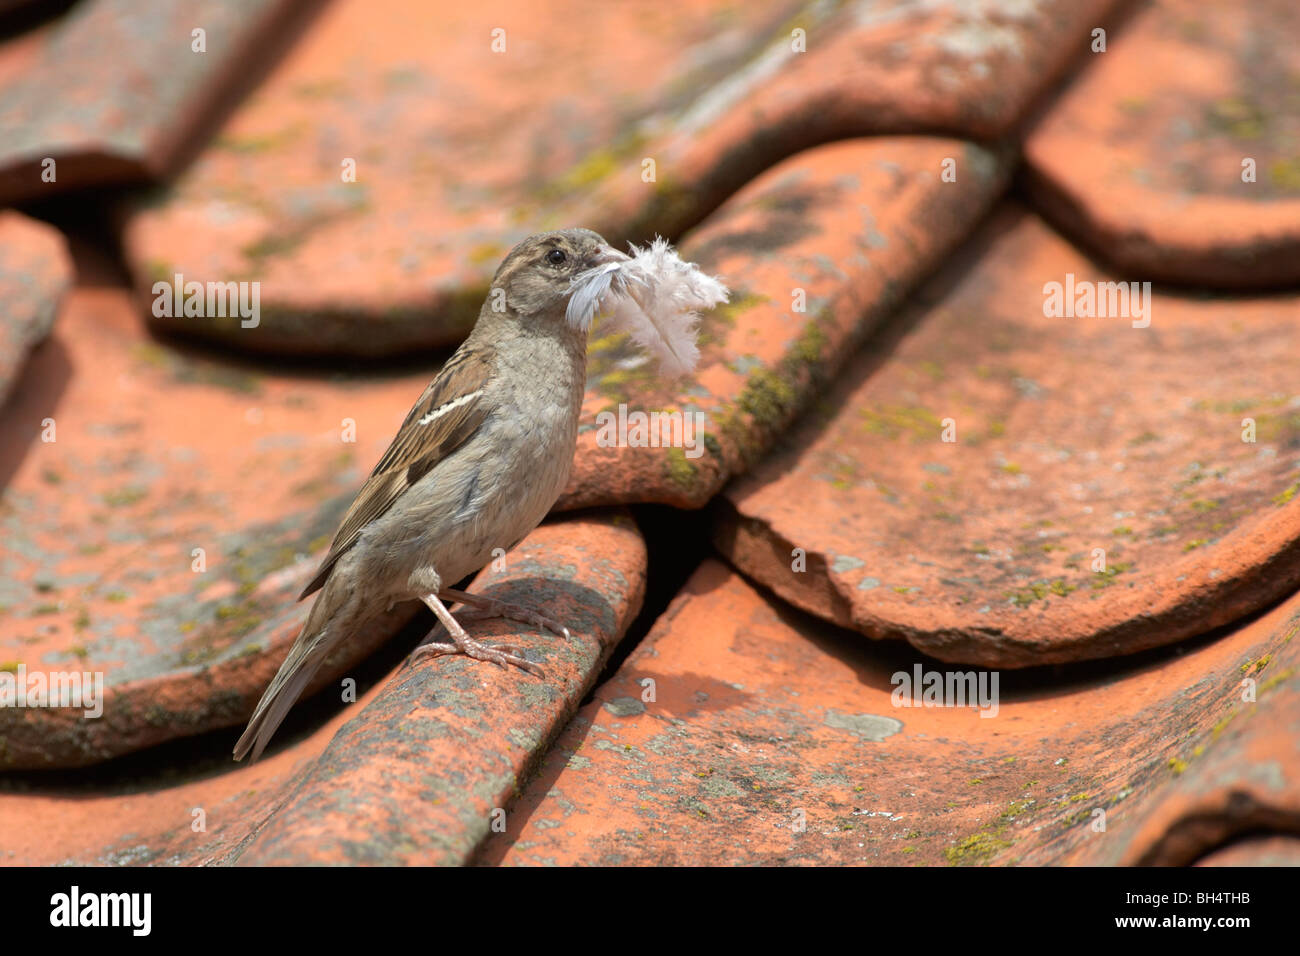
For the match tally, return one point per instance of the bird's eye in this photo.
(556, 256)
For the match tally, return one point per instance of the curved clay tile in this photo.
(744, 732)
(460, 151)
(1108, 488)
(455, 117)
(35, 272)
(409, 773)
(108, 118)
(1146, 155)
(816, 252)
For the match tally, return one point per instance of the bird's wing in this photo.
(446, 415)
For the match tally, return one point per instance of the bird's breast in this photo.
(498, 487)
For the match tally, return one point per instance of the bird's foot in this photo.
(502, 654)
(462, 643)
(490, 607)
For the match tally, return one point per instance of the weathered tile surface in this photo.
(156, 454)
(458, 154)
(1145, 155)
(870, 68)
(116, 90)
(417, 776)
(35, 272)
(412, 774)
(816, 252)
(161, 507)
(460, 119)
(1073, 437)
(146, 819)
(1239, 776)
(1256, 851)
(741, 732)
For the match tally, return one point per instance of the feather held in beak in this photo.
(653, 296)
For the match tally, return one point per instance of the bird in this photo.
(476, 465)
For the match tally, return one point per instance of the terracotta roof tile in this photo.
(417, 769)
(1097, 496)
(164, 534)
(713, 95)
(1114, 524)
(1256, 851)
(118, 118)
(428, 768)
(1175, 152)
(816, 251)
(767, 737)
(35, 272)
(461, 148)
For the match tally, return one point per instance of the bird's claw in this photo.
(489, 608)
(502, 655)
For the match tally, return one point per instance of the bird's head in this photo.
(537, 276)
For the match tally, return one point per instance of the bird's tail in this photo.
(305, 658)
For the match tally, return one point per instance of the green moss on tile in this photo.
(1217, 730)
(1103, 579)
(1285, 174)
(270, 245)
(768, 398)
(978, 849)
(811, 344)
(1276, 679)
(1238, 117)
(160, 270)
(1038, 590)
(593, 168)
(124, 497)
(680, 470)
(1256, 665)
(894, 421)
(1017, 807)
(486, 252)
(262, 143)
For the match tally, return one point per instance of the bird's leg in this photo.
(462, 643)
(511, 612)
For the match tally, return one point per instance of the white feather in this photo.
(654, 297)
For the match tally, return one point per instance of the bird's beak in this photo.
(605, 256)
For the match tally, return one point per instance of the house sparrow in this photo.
(476, 465)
